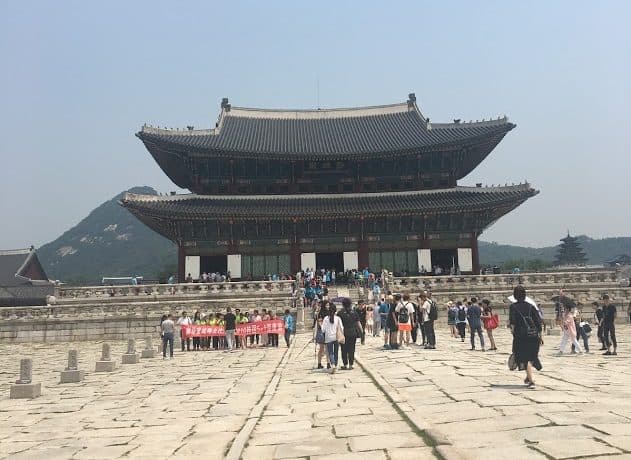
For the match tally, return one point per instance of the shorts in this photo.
(405, 327)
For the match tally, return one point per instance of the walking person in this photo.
(168, 330)
(430, 310)
(362, 313)
(184, 320)
(609, 326)
(376, 321)
(333, 329)
(580, 327)
(490, 321)
(352, 330)
(384, 309)
(289, 326)
(452, 312)
(525, 325)
(392, 326)
(474, 315)
(319, 340)
(405, 312)
(370, 320)
(230, 324)
(461, 320)
(598, 317)
(569, 332)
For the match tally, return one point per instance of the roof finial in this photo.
(411, 100)
(225, 104)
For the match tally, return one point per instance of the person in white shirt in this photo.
(184, 320)
(330, 326)
(405, 316)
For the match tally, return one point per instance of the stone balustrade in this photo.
(473, 283)
(66, 294)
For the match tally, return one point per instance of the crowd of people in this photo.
(228, 321)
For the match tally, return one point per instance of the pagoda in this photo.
(277, 191)
(570, 252)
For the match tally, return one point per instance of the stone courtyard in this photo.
(271, 403)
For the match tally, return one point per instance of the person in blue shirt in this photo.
(289, 326)
(474, 314)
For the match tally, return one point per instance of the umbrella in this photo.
(565, 300)
(512, 299)
(339, 299)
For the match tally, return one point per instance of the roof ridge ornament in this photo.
(225, 104)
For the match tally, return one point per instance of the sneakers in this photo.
(333, 369)
(607, 353)
(343, 368)
(320, 366)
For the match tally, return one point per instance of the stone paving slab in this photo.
(454, 394)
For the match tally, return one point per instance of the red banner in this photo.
(274, 326)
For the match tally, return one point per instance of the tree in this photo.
(570, 252)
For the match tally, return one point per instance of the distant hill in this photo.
(110, 241)
(597, 251)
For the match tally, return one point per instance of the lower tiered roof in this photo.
(243, 207)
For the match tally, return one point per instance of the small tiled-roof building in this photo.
(22, 279)
(276, 191)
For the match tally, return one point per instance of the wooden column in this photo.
(181, 261)
(475, 257)
(294, 258)
(362, 255)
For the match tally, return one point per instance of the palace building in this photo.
(276, 191)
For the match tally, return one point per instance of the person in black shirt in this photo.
(598, 315)
(609, 326)
(361, 313)
(352, 330)
(230, 326)
(525, 324)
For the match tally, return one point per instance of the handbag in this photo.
(494, 322)
(339, 335)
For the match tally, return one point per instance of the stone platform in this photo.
(265, 403)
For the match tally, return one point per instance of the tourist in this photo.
(461, 320)
(416, 321)
(569, 331)
(404, 311)
(197, 319)
(452, 312)
(474, 314)
(370, 320)
(230, 322)
(598, 318)
(352, 330)
(265, 337)
(525, 325)
(289, 326)
(490, 322)
(376, 320)
(273, 337)
(319, 340)
(581, 333)
(362, 314)
(609, 326)
(332, 328)
(421, 298)
(392, 325)
(184, 320)
(168, 329)
(430, 310)
(384, 309)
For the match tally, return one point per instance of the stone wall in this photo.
(94, 320)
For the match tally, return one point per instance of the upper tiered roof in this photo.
(394, 129)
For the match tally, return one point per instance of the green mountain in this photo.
(110, 241)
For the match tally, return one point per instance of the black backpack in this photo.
(530, 330)
(451, 314)
(433, 311)
(404, 315)
(462, 314)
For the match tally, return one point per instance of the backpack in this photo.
(433, 311)
(462, 314)
(530, 328)
(451, 314)
(404, 315)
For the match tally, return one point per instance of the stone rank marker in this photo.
(148, 352)
(24, 388)
(131, 357)
(105, 364)
(72, 374)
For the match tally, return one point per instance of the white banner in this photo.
(191, 266)
(351, 261)
(234, 266)
(465, 260)
(308, 260)
(424, 260)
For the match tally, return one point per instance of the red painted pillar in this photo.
(475, 256)
(362, 255)
(294, 258)
(181, 261)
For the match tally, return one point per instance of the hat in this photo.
(450, 303)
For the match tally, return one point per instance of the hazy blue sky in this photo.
(79, 78)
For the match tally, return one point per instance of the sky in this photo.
(78, 79)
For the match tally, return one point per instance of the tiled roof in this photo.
(193, 207)
(334, 132)
(11, 263)
(16, 289)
